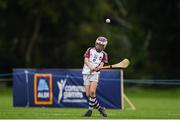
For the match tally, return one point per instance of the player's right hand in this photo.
(97, 69)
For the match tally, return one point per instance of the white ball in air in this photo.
(108, 20)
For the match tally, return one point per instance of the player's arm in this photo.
(86, 61)
(104, 61)
(99, 67)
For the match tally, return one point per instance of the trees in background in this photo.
(55, 34)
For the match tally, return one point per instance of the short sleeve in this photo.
(87, 53)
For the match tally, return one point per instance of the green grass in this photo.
(159, 104)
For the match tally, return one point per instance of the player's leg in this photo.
(87, 87)
(87, 90)
(90, 83)
(93, 102)
(92, 94)
(89, 111)
(86, 84)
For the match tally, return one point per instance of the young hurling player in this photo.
(94, 59)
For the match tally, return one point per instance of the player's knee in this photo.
(92, 93)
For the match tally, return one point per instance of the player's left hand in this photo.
(98, 69)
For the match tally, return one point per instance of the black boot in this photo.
(88, 113)
(102, 111)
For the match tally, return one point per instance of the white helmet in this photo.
(102, 40)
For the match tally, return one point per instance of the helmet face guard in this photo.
(102, 41)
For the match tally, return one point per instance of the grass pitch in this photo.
(150, 104)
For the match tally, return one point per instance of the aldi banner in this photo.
(64, 88)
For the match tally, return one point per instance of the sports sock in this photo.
(93, 103)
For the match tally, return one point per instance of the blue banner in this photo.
(63, 88)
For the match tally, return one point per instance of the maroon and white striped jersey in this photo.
(95, 59)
